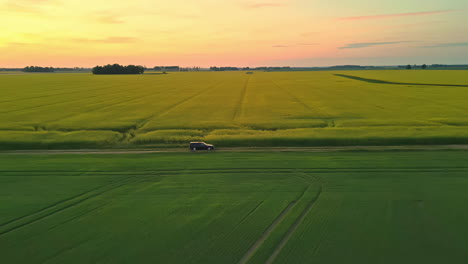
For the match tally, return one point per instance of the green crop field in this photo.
(237, 207)
(81, 110)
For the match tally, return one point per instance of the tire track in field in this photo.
(68, 249)
(120, 102)
(87, 212)
(292, 229)
(295, 98)
(110, 105)
(71, 90)
(241, 102)
(78, 216)
(65, 93)
(246, 216)
(301, 102)
(168, 109)
(52, 205)
(62, 205)
(52, 104)
(266, 234)
(43, 96)
(69, 93)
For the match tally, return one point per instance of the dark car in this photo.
(200, 146)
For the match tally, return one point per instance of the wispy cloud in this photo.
(109, 19)
(263, 5)
(110, 40)
(447, 45)
(35, 1)
(396, 15)
(17, 8)
(309, 34)
(370, 44)
(17, 44)
(174, 15)
(296, 45)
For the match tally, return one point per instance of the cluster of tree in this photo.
(35, 69)
(409, 67)
(345, 67)
(445, 66)
(224, 69)
(38, 69)
(11, 69)
(286, 68)
(118, 69)
(166, 68)
(72, 69)
(190, 69)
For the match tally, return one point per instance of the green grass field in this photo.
(82, 110)
(244, 207)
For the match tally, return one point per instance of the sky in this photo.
(303, 33)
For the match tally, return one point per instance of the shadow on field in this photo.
(398, 83)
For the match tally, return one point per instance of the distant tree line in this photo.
(166, 68)
(409, 67)
(174, 68)
(34, 69)
(224, 69)
(118, 69)
(38, 69)
(11, 69)
(72, 69)
(445, 66)
(286, 68)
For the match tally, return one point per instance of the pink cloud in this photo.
(396, 15)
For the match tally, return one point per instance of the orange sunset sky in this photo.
(67, 33)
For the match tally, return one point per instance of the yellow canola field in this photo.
(73, 110)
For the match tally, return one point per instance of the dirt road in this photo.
(240, 149)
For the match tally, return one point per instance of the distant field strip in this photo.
(399, 83)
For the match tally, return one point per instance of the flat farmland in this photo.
(236, 207)
(80, 110)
